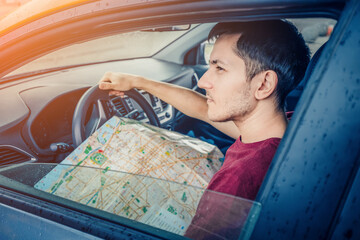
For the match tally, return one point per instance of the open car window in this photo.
(155, 202)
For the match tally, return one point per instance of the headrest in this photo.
(294, 96)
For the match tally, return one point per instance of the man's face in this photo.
(228, 93)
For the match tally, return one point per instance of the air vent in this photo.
(118, 105)
(13, 155)
(194, 80)
(163, 104)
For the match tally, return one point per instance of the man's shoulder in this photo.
(241, 154)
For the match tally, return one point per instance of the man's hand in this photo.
(118, 83)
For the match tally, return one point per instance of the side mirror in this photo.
(199, 55)
(204, 54)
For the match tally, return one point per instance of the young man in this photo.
(253, 66)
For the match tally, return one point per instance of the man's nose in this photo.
(204, 81)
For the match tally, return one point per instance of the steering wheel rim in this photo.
(96, 95)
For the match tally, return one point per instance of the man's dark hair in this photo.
(270, 45)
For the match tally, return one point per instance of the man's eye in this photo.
(219, 68)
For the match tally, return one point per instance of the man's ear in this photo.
(266, 83)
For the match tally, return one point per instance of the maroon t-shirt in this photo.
(244, 168)
(242, 173)
(220, 216)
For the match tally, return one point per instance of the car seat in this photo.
(294, 96)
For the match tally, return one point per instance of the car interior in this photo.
(45, 99)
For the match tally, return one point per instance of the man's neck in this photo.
(260, 125)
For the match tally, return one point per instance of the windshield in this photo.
(139, 44)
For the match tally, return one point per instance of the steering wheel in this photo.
(94, 97)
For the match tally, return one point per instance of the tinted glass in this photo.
(177, 208)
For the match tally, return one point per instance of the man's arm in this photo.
(185, 100)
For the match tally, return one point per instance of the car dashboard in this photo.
(37, 111)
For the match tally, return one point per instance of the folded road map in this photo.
(138, 171)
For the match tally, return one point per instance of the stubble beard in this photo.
(234, 109)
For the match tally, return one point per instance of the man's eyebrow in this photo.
(216, 61)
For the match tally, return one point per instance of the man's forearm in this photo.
(185, 100)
